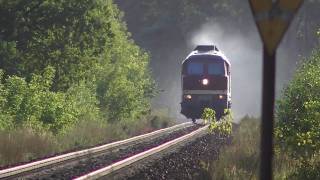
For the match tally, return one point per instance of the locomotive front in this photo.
(206, 82)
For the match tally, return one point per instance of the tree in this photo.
(87, 45)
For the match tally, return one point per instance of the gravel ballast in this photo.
(185, 163)
(80, 167)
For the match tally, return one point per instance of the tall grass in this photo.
(22, 145)
(240, 160)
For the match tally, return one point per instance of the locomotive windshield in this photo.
(216, 68)
(196, 68)
(201, 65)
(212, 68)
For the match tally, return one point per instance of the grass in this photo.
(23, 145)
(240, 160)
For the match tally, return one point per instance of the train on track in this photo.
(206, 82)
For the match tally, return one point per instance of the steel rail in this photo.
(138, 157)
(33, 166)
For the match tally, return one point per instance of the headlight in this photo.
(205, 82)
(221, 96)
(188, 96)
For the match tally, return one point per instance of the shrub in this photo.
(298, 119)
(33, 105)
(222, 127)
(298, 111)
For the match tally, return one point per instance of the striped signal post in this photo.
(272, 19)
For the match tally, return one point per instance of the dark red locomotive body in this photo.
(206, 82)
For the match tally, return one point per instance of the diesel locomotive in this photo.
(206, 82)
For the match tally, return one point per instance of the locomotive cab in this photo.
(206, 82)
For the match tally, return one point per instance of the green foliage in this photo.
(126, 92)
(84, 101)
(32, 104)
(298, 114)
(208, 115)
(91, 68)
(223, 126)
(298, 111)
(71, 36)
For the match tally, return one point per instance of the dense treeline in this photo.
(69, 60)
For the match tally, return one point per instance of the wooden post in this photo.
(268, 96)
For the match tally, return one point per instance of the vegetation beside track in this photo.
(298, 119)
(296, 133)
(223, 127)
(63, 62)
(240, 159)
(23, 144)
(70, 77)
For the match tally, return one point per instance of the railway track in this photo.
(104, 160)
(108, 171)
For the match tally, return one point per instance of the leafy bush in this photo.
(208, 115)
(298, 119)
(125, 87)
(32, 104)
(298, 111)
(223, 127)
